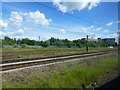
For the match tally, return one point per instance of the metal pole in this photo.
(39, 39)
(87, 44)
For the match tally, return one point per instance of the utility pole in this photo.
(39, 39)
(87, 44)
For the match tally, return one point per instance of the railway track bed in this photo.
(26, 64)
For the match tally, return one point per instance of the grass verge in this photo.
(50, 52)
(48, 48)
(72, 77)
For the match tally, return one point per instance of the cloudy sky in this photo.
(71, 20)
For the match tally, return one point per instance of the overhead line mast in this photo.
(39, 39)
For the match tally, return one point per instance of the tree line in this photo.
(54, 42)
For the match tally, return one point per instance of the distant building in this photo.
(89, 39)
(108, 40)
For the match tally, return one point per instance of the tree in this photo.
(45, 43)
(79, 45)
(69, 45)
(92, 44)
(9, 41)
(55, 42)
(105, 44)
(23, 45)
(26, 41)
(19, 41)
(52, 41)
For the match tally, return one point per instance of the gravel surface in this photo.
(20, 75)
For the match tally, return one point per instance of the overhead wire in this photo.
(92, 23)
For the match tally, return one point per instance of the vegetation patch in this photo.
(54, 42)
(72, 77)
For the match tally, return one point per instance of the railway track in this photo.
(35, 58)
(24, 64)
(18, 54)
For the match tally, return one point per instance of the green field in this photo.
(41, 52)
(72, 77)
(30, 49)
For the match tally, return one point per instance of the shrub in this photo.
(15, 46)
(23, 45)
(46, 44)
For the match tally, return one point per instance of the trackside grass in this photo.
(13, 53)
(72, 77)
(53, 48)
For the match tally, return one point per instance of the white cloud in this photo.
(3, 25)
(62, 31)
(11, 35)
(106, 31)
(85, 29)
(2, 33)
(98, 29)
(20, 32)
(30, 37)
(23, 14)
(93, 4)
(114, 35)
(61, 7)
(91, 27)
(27, 29)
(70, 6)
(38, 18)
(17, 37)
(16, 19)
(109, 24)
(81, 29)
(92, 35)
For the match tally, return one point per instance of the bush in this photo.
(69, 45)
(15, 46)
(79, 45)
(23, 45)
(46, 44)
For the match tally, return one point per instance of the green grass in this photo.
(31, 49)
(72, 77)
(41, 55)
(60, 51)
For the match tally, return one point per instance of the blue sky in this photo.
(31, 20)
